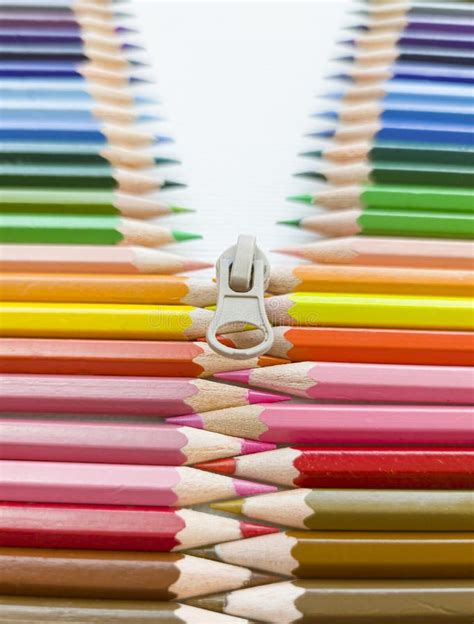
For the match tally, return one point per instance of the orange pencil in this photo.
(108, 288)
(93, 259)
(370, 279)
(118, 357)
(387, 346)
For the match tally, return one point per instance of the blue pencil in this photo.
(410, 71)
(401, 114)
(74, 115)
(52, 36)
(411, 132)
(81, 132)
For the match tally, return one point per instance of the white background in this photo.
(238, 81)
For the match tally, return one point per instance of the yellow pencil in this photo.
(74, 320)
(369, 310)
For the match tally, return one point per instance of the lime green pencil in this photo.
(85, 230)
(389, 223)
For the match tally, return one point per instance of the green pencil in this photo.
(85, 230)
(392, 197)
(370, 222)
(395, 173)
(74, 201)
(392, 151)
(79, 153)
(81, 177)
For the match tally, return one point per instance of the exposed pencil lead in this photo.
(146, 117)
(326, 114)
(180, 209)
(161, 160)
(312, 154)
(312, 175)
(139, 80)
(344, 77)
(178, 235)
(292, 222)
(163, 139)
(143, 99)
(323, 134)
(350, 42)
(168, 184)
(207, 552)
(305, 199)
(231, 506)
(137, 63)
(348, 58)
(333, 95)
(216, 602)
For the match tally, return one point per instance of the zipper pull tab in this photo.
(243, 273)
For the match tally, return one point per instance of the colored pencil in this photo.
(416, 468)
(109, 484)
(118, 357)
(85, 230)
(407, 91)
(388, 251)
(72, 8)
(398, 197)
(410, 111)
(66, 69)
(351, 344)
(413, 54)
(25, 35)
(103, 24)
(369, 222)
(103, 320)
(99, 527)
(358, 554)
(394, 173)
(116, 443)
(100, 201)
(18, 113)
(86, 131)
(391, 151)
(108, 59)
(360, 510)
(140, 396)
(413, 24)
(369, 310)
(440, 41)
(340, 278)
(408, 7)
(339, 381)
(86, 611)
(341, 424)
(117, 574)
(81, 154)
(405, 131)
(349, 601)
(108, 288)
(68, 92)
(99, 259)
(396, 71)
(82, 177)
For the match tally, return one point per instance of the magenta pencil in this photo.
(341, 381)
(111, 484)
(141, 396)
(342, 424)
(117, 442)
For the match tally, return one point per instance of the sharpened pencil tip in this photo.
(159, 138)
(169, 184)
(348, 58)
(216, 602)
(257, 396)
(137, 63)
(143, 99)
(350, 42)
(344, 77)
(323, 134)
(226, 466)
(180, 236)
(239, 376)
(249, 488)
(159, 160)
(146, 117)
(333, 95)
(139, 80)
(252, 529)
(304, 199)
(255, 446)
(312, 175)
(207, 552)
(292, 222)
(326, 115)
(195, 265)
(190, 420)
(232, 506)
(313, 154)
(180, 209)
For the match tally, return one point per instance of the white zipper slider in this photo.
(243, 273)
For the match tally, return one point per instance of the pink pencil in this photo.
(142, 396)
(108, 484)
(342, 381)
(117, 443)
(342, 424)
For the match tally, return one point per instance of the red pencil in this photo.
(141, 396)
(117, 442)
(102, 527)
(375, 468)
(342, 424)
